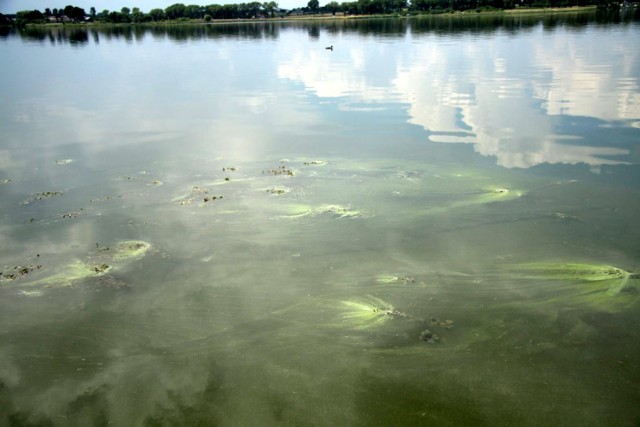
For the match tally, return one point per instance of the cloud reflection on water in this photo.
(516, 100)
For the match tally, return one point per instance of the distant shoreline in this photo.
(325, 17)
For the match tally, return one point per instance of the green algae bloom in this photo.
(296, 211)
(616, 278)
(602, 287)
(349, 314)
(364, 313)
(338, 211)
(131, 250)
(389, 278)
(490, 195)
(104, 261)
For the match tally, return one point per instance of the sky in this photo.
(13, 6)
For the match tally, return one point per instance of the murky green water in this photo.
(399, 231)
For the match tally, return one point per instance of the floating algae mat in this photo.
(359, 313)
(600, 286)
(103, 261)
(301, 210)
(365, 312)
(490, 195)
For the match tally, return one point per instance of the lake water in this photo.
(233, 225)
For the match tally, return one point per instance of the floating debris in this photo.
(412, 176)
(447, 324)
(42, 196)
(63, 162)
(156, 182)
(73, 214)
(429, 336)
(338, 210)
(230, 169)
(209, 199)
(387, 278)
(18, 271)
(278, 190)
(46, 195)
(102, 268)
(197, 193)
(280, 170)
(103, 199)
(565, 217)
(5, 181)
(199, 190)
(315, 163)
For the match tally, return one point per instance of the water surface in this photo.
(311, 212)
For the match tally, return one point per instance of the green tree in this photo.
(92, 12)
(194, 11)
(229, 11)
(156, 14)
(270, 7)
(74, 13)
(29, 16)
(332, 7)
(103, 16)
(313, 5)
(175, 11)
(350, 7)
(138, 16)
(116, 17)
(253, 9)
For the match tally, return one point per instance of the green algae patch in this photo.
(314, 163)
(293, 211)
(199, 195)
(338, 211)
(105, 260)
(364, 313)
(131, 250)
(572, 271)
(277, 190)
(490, 194)
(390, 278)
(602, 287)
(75, 271)
(357, 313)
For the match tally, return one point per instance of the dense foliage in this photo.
(180, 11)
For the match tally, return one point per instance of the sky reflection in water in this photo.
(426, 156)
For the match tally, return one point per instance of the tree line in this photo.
(180, 11)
